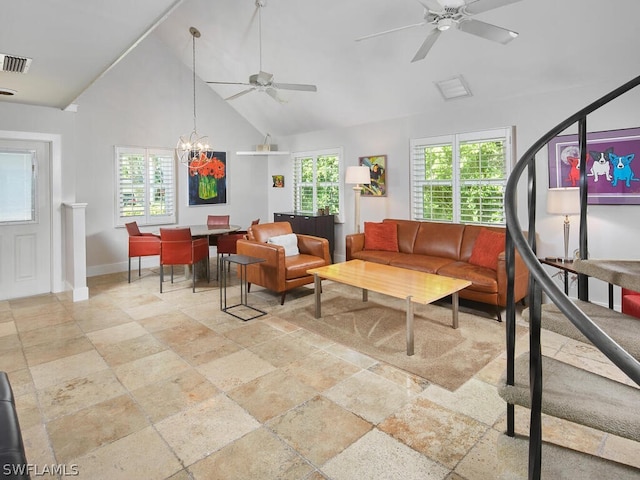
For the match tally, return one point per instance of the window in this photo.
(145, 186)
(18, 186)
(317, 181)
(462, 177)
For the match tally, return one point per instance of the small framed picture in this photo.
(378, 170)
(278, 181)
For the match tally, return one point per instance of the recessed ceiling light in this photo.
(7, 91)
(454, 87)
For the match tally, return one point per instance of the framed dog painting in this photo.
(613, 165)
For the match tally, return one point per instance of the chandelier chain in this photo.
(193, 37)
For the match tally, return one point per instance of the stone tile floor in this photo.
(136, 384)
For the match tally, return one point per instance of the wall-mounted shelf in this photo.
(254, 153)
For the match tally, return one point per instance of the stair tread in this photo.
(578, 396)
(624, 329)
(558, 463)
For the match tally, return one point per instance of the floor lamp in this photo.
(564, 201)
(357, 176)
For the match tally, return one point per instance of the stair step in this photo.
(558, 463)
(578, 396)
(624, 329)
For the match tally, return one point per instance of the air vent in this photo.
(11, 63)
(455, 87)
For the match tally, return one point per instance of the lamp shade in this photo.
(563, 201)
(358, 175)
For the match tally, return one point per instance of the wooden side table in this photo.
(243, 261)
(565, 265)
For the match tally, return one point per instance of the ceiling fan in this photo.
(458, 16)
(263, 81)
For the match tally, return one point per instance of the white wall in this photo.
(611, 234)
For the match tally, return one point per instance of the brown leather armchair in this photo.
(141, 245)
(278, 272)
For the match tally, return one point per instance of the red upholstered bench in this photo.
(631, 302)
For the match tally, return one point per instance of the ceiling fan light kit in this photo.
(459, 17)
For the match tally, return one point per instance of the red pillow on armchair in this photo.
(489, 244)
(381, 236)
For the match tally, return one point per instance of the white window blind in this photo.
(145, 186)
(461, 177)
(317, 181)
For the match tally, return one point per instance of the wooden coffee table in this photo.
(411, 285)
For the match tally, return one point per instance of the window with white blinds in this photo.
(461, 177)
(145, 186)
(316, 182)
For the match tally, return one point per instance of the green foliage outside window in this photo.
(318, 183)
(469, 188)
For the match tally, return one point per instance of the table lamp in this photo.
(357, 176)
(564, 201)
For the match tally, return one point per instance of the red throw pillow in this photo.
(488, 246)
(381, 236)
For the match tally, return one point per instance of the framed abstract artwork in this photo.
(278, 181)
(378, 170)
(611, 165)
(208, 179)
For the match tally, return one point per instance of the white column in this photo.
(76, 250)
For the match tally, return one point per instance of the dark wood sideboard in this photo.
(310, 224)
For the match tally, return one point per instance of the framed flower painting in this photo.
(208, 179)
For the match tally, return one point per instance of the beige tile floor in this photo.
(137, 384)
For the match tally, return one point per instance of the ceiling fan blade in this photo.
(426, 45)
(431, 5)
(486, 30)
(295, 86)
(239, 94)
(229, 83)
(390, 31)
(479, 6)
(273, 93)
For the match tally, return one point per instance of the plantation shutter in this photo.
(145, 184)
(461, 178)
(432, 180)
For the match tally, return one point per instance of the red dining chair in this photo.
(226, 246)
(216, 220)
(178, 248)
(141, 245)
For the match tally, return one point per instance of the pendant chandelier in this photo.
(194, 150)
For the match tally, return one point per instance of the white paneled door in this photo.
(25, 218)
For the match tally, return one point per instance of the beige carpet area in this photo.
(445, 356)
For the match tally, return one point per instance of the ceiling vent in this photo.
(455, 87)
(11, 63)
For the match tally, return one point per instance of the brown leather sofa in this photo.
(445, 249)
(278, 272)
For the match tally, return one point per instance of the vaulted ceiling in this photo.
(562, 44)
